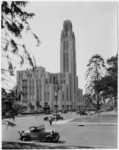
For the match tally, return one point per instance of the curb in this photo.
(62, 122)
(33, 145)
(96, 124)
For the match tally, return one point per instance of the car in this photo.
(81, 112)
(64, 111)
(39, 133)
(91, 112)
(47, 112)
(58, 117)
(46, 118)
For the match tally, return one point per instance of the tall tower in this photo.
(68, 57)
(67, 49)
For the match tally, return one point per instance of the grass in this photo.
(94, 118)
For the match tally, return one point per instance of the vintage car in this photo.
(81, 112)
(47, 112)
(46, 118)
(64, 111)
(39, 133)
(57, 117)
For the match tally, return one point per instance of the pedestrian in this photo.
(13, 117)
(50, 120)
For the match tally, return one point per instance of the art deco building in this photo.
(68, 58)
(40, 86)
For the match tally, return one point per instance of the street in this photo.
(102, 136)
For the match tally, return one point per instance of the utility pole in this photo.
(56, 95)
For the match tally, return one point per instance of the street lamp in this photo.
(56, 95)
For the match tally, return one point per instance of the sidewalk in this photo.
(96, 124)
(85, 123)
(82, 122)
(63, 121)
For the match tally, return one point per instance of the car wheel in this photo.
(48, 139)
(56, 138)
(25, 138)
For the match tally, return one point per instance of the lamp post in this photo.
(56, 95)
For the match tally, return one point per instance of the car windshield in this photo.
(36, 129)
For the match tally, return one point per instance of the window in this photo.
(67, 63)
(63, 96)
(65, 45)
(46, 81)
(24, 87)
(31, 86)
(48, 96)
(64, 62)
(67, 107)
(67, 92)
(50, 78)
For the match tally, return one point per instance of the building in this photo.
(59, 90)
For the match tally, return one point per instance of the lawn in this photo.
(94, 118)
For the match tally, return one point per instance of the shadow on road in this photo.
(60, 142)
(18, 145)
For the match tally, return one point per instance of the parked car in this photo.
(46, 118)
(47, 112)
(92, 112)
(81, 112)
(57, 117)
(39, 133)
(64, 111)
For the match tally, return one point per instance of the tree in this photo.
(10, 103)
(14, 24)
(46, 107)
(109, 82)
(88, 101)
(18, 108)
(31, 106)
(38, 104)
(94, 73)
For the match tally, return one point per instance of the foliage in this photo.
(18, 108)
(108, 83)
(14, 23)
(94, 73)
(113, 66)
(102, 86)
(46, 107)
(38, 104)
(31, 106)
(88, 101)
(10, 105)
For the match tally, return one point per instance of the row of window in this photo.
(65, 45)
(65, 62)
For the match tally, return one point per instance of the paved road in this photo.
(70, 132)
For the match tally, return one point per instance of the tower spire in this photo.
(67, 49)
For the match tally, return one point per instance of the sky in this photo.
(94, 25)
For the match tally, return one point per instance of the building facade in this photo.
(56, 89)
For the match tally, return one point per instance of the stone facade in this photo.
(40, 86)
(68, 58)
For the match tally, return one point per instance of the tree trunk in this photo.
(115, 103)
(98, 107)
